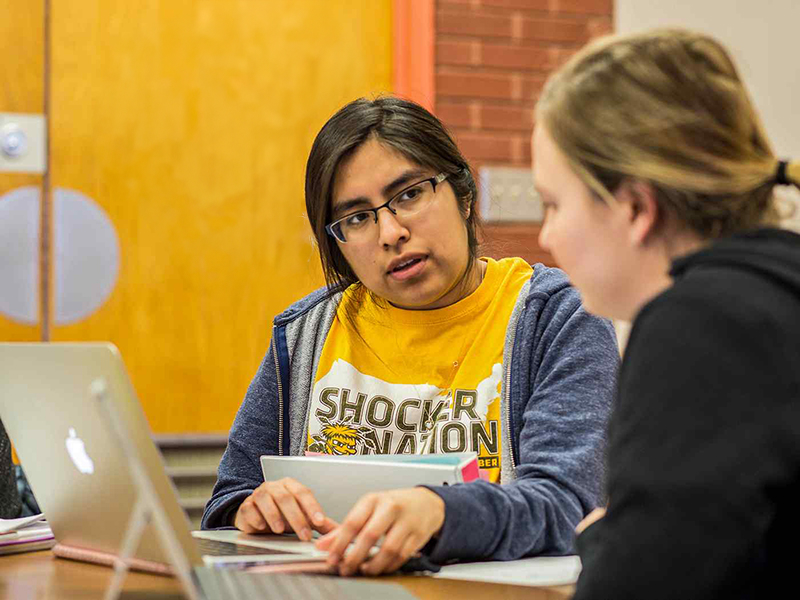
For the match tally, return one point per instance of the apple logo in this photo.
(77, 452)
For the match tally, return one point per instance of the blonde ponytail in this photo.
(788, 173)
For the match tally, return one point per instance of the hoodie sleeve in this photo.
(254, 432)
(566, 364)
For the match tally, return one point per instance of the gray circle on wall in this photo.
(19, 255)
(85, 251)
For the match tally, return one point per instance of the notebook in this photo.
(80, 475)
(337, 482)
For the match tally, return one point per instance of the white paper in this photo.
(537, 571)
(7, 525)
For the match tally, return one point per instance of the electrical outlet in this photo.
(507, 195)
(22, 143)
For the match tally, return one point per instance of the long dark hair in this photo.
(405, 127)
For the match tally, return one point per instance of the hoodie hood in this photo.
(773, 252)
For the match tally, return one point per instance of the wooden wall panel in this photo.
(189, 122)
(21, 90)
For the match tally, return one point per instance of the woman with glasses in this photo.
(658, 178)
(417, 345)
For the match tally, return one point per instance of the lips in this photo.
(404, 262)
(405, 267)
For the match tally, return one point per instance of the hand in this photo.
(283, 505)
(595, 515)
(407, 517)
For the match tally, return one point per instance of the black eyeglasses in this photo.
(363, 224)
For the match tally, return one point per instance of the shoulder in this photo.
(553, 309)
(551, 297)
(322, 297)
(552, 284)
(727, 319)
(723, 298)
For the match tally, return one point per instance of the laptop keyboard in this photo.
(232, 584)
(217, 548)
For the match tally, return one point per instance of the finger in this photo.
(341, 537)
(290, 510)
(328, 529)
(327, 526)
(324, 543)
(249, 519)
(413, 545)
(308, 503)
(269, 510)
(383, 518)
(591, 518)
(397, 547)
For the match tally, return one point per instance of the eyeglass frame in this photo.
(435, 181)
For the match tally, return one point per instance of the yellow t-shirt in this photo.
(412, 381)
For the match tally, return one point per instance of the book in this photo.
(27, 534)
(337, 482)
(466, 461)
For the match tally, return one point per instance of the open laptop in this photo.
(80, 475)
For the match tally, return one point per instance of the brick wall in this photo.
(492, 58)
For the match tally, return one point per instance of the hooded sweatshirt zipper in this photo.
(507, 401)
(280, 395)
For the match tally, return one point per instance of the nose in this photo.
(391, 231)
(544, 236)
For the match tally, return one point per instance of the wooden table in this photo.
(41, 576)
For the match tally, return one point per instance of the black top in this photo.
(704, 443)
(10, 504)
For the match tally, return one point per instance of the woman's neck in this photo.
(655, 278)
(465, 286)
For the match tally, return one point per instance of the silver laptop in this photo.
(86, 484)
(80, 475)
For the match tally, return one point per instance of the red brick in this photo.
(558, 56)
(510, 118)
(515, 57)
(455, 115)
(532, 87)
(525, 148)
(457, 53)
(595, 7)
(474, 23)
(475, 85)
(553, 30)
(485, 147)
(600, 26)
(515, 239)
(542, 5)
(457, 4)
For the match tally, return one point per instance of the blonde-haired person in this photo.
(657, 178)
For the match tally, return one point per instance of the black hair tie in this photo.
(780, 175)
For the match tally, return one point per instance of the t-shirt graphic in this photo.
(406, 382)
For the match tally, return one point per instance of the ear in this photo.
(642, 212)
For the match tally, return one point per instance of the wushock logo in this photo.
(341, 437)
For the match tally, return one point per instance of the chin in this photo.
(415, 299)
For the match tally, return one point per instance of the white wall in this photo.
(764, 39)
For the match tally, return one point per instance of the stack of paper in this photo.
(536, 571)
(25, 535)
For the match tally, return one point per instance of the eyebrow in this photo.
(342, 208)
